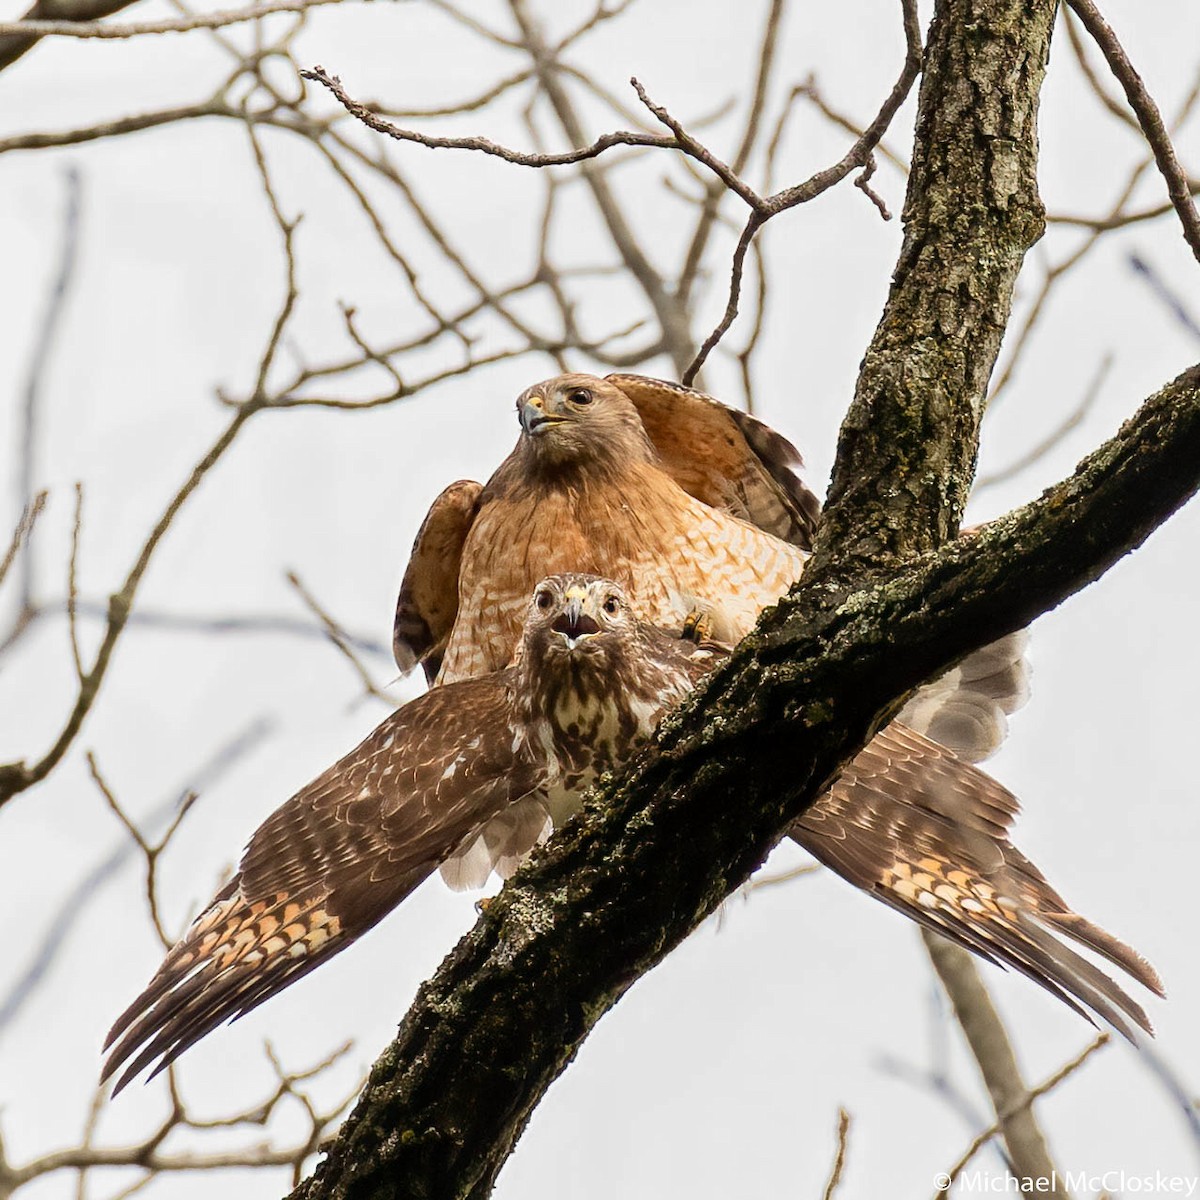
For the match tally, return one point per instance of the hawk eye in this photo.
(543, 600)
(612, 606)
(579, 396)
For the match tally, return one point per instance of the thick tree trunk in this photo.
(690, 819)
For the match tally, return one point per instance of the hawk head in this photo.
(592, 680)
(581, 420)
(577, 617)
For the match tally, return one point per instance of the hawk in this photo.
(695, 509)
(589, 687)
(692, 505)
(444, 771)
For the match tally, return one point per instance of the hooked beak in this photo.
(573, 624)
(533, 416)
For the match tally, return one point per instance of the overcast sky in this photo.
(720, 1073)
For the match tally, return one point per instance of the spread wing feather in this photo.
(732, 461)
(725, 458)
(331, 862)
(927, 834)
(428, 601)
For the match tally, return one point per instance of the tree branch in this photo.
(74, 28)
(1149, 118)
(661, 845)
(906, 454)
(14, 44)
(993, 1054)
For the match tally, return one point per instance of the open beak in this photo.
(573, 624)
(533, 416)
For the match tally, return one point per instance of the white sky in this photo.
(720, 1073)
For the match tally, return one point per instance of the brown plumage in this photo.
(464, 766)
(695, 510)
(587, 486)
(913, 826)
(688, 503)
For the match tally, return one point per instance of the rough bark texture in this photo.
(687, 822)
(907, 450)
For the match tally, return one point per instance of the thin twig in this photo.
(710, 203)
(150, 851)
(857, 157)
(1114, 106)
(336, 635)
(77, 902)
(991, 1047)
(73, 585)
(39, 359)
(839, 1160)
(24, 526)
(519, 158)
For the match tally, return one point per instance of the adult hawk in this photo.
(438, 775)
(693, 506)
(590, 685)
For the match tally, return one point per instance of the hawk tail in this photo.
(1014, 919)
(235, 955)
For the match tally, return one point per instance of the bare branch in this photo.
(75, 904)
(24, 527)
(13, 46)
(473, 104)
(39, 360)
(15, 777)
(993, 1053)
(72, 585)
(808, 90)
(150, 851)
(690, 146)
(839, 1160)
(713, 193)
(1149, 118)
(1120, 221)
(105, 129)
(858, 156)
(375, 121)
(213, 20)
(338, 637)
(1067, 1069)
(1113, 105)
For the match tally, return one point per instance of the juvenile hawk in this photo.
(431, 779)
(590, 686)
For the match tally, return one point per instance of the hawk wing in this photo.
(730, 460)
(725, 458)
(913, 826)
(428, 602)
(331, 862)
